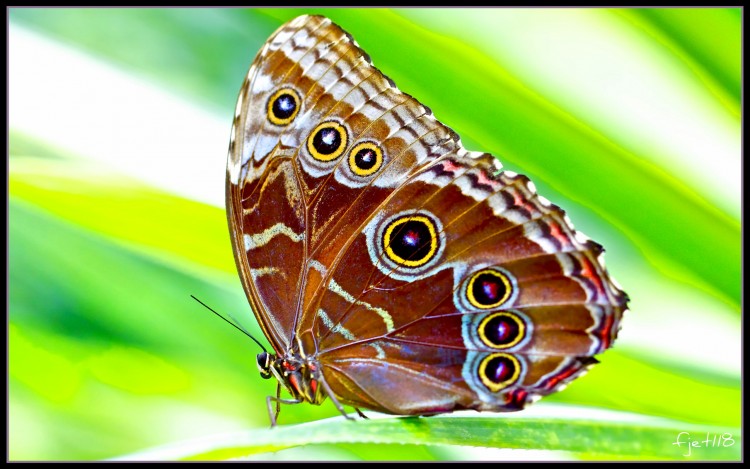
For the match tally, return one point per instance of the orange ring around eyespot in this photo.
(269, 106)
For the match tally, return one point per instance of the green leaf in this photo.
(643, 439)
(708, 39)
(116, 206)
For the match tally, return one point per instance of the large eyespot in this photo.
(411, 240)
(499, 370)
(365, 158)
(501, 330)
(405, 245)
(283, 106)
(328, 141)
(488, 288)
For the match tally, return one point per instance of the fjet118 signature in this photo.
(683, 438)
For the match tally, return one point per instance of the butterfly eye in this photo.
(488, 288)
(501, 330)
(328, 141)
(411, 240)
(365, 159)
(499, 370)
(263, 361)
(283, 106)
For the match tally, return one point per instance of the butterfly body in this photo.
(390, 268)
(300, 377)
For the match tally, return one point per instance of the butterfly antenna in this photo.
(239, 328)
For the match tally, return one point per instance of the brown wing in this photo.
(509, 303)
(421, 277)
(291, 207)
(265, 201)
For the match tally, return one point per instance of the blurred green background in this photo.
(119, 122)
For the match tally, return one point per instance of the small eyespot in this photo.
(328, 141)
(488, 288)
(501, 330)
(283, 106)
(365, 159)
(498, 371)
(411, 240)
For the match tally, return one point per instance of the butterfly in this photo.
(390, 268)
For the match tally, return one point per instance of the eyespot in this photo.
(488, 288)
(407, 244)
(499, 370)
(365, 158)
(328, 141)
(411, 240)
(283, 106)
(501, 330)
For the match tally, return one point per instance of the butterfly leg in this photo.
(278, 404)
(359, 412)
(330, 394)
(273, 416)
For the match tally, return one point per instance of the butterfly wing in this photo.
(403, 329)
(509, 302)
(290, 207)
(265, 202)
(421, 277)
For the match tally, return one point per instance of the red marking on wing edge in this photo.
(553, 381)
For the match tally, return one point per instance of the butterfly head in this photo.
(299, 376)
(264, 361)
